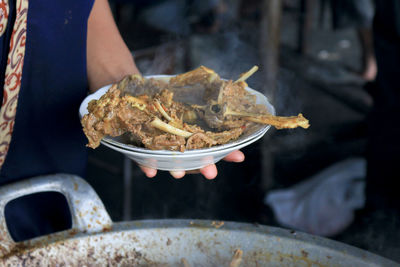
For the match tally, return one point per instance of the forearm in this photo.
(108, 57)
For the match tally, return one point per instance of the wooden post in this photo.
(305, 24)
(269, 43)
(269, 51)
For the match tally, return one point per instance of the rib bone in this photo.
(246, 75)
(276, 121)
(281, 122)
(162, 111)
(135, 102)
(159, 124)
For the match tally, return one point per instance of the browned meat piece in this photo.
(196, 86)
(166, 142)
(233, 123)
(137, 85)
(200, 75)
(115, 115)
(166, 97)
(111, 115)
(199, 140)
(192, 128)
(226, 136)
(234, 105)
(99, 121)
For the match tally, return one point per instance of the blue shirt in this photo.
(47, 136)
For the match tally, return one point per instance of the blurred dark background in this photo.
(307, 63)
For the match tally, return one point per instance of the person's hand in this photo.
(209, 172)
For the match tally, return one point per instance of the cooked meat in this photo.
(154, 114)
(166, 142)
(137, 85)
(199, 140)
(226, 136)
(111, 115)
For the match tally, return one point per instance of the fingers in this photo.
(177, 174)
(235, 156)
(149, 172)
(209, 172)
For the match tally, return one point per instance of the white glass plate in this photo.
(178, 161)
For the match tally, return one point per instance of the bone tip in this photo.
(303, 122)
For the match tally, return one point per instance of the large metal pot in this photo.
(96, 241)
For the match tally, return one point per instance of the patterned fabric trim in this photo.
(3, 16)
(13, 75)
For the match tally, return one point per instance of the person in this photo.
(51, 53)
(383, 153)
(116, 66)
(379, 220)
(359, 15)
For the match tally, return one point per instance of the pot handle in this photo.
(87, 211)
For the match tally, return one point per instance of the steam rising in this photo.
(229, 53)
